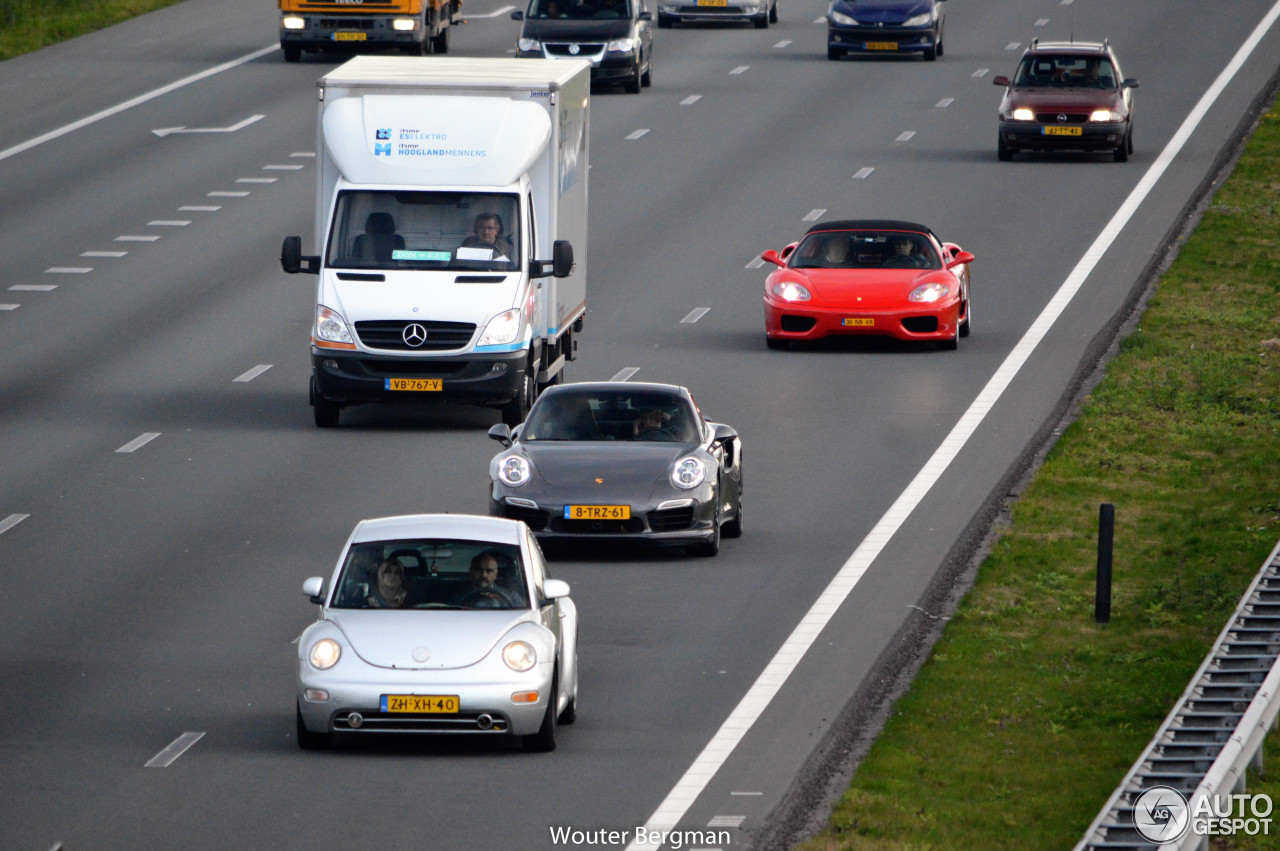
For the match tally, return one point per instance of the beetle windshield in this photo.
(432, 574)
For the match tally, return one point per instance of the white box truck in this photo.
(451, 226)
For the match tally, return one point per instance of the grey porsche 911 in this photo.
(620, 460)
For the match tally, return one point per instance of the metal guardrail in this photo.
(1215, 730)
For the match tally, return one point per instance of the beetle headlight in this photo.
(790, 291)
(688, 473)
(928, 292)
(331, 328)
(502, 329)
(513, 470)
(519, 656)
(324, 654)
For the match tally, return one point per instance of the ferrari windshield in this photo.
(1067, 71)
(425, 230)
(432, 574)
(640, 415)
(865, 250)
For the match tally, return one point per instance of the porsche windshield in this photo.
(865, 250)
(432, 574)
(641, 415)
(1067, 72)
(425, 230)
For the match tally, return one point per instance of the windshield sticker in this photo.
(431, 256)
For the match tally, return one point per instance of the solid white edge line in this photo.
(11, 521)
(748, 711)
(129, 104)
(138, 442)
(176, 748)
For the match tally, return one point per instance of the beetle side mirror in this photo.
(501, 433)
(314, 588)
(1000, 81)
(771, 256)
(554, 589)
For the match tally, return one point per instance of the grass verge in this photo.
(1027, 713)
(27, 25)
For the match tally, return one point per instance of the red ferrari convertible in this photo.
(888, 278)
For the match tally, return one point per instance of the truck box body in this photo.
(416, 27)
(416, 157)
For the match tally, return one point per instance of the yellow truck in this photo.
(417, 27)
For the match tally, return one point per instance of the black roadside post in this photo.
(1106, 531)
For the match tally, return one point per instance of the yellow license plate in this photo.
(1061, 131)
(348, 36)
(597, 512)
(882, 45)
(712, 3)
(421, 704)
(857, 322)
(414, 384)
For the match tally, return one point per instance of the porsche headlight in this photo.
(528, 45)
(1103, 115)
(324, 654)
(1023, 114)
(519, 656)
(790, 291)
(513, 470)
(502, 329)
(843, 19)
(688, 473)
(331, 328)
(621, 45)
(928, 293)
(919, 20)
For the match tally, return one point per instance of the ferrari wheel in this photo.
(953, 343)
(968, 315)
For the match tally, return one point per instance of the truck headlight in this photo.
(404, 24)
(292, 22)
(502, 329)
(688, 473)
(331, 328)
(324, 654)
(529, 45)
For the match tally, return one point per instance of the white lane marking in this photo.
(251, 374)
(169, 223)
(636, 134)
(741, 69)
(863, 173)
(905, 136)
(1042, 22)
(303, 154)
(821, 20)
(981, 72)
(784, 43)
(9, 306)
(240, 125)
(726, 821)
(176, 748)
(226, 194)
(1013, 45)
(694, 315)
(189, 208)
(944, 103)
(1065, 3)
(289, 167)
(752, 794)
(256, 179)
(68, 270)
(756, 263)
(138, 442)
(496, 14)
(784, 662)
(626, 373)
(813, 215)
(103, 253)
(129, 104)
(691, 99)
(11, 521)
(137, 238)
(33, 288)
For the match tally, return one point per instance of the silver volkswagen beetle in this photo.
(439, 623)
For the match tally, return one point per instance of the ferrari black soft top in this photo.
(870, 224)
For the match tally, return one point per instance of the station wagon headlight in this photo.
(1023, 114)
(324, 654)
(790, 291)
(688, 473)
(621, 45)
(918, 21)
(331, 328)
(1103, 115)
(502, 329)
(928, 293)
(519, 656)
(513, 470)
(843, 19)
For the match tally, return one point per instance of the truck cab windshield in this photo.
(425, 230)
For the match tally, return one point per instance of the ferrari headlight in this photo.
(331, 328)
(1102, 115)
(918, 20)
(528, 45)
(621, 45)
(404, 24)
(1023, 114)
(790, 291)
(519, 656)
(843, 19)
(324, 654)
(502, 329)
(688, 473)
(928, 293)
(513, 470)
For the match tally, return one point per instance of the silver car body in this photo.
(438, 650)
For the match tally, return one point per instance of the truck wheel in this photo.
(515, 411)
(292, 53)
(440, 44)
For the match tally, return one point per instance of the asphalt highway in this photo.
(164, 493)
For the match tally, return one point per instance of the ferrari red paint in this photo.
(881, 277)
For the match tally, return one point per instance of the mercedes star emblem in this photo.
(414, 335)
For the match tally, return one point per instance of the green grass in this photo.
(1027, 714)
(27, 25)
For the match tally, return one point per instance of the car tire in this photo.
(733, 529)
(968, 316)
(310, 741)
(646, 79)
(773, 13)
(1129, 136)
(570, 713)
(1121, 153)
(665, 21)
(708, 549)
(292, 53)
(951, 344)
(931, 53)
(440, 44)
(939, 40)
(1003, 152)
(514, 412)
(326, 411)
(834, 53)
(633, 86)
(761, 21)
(544, 741)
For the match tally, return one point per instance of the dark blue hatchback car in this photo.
(885, 26)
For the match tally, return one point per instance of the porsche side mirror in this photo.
(554, 589)
(771, 256)
(501, 433)
(1000, 81)
(314, 588)
(292, 261)
(959, 259)
(723, 433)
